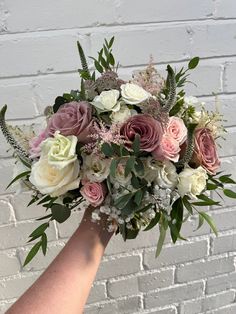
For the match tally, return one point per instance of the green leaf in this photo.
(129, 165)
(229, 193)
(44, 200)
(60, 213)
(122, 201)
(206, 201)
(153, 222)
(107, 150)
(113, 166)
(131, 233)
(211, 186)
(111, 59)
(200, 222)
(160, 240)
(40, 230)
(34, 200)
(44, 240)
(111, 42)
(177, 215)
(135, 181)
(98, 66)
(193, 63)
(32, 253)
(44, 217)
(139, 167)
(176, 108)
(108, 181)
(136, 145)
(59, 101)
(209, 221)
(227, 179)
(187, 204)
(138, 196)
(19, 176)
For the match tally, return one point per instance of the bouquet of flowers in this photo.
(140, 152)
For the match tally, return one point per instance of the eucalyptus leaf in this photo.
(60, 212)
(107, 150)
(129, 165)
(32, 253)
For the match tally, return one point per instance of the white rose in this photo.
(167, 176)
(192, 181)
(60, 150)
(123, 114)
(94, 168)
(133, 94)
(52, 180)
(120, 174)
(107, 100)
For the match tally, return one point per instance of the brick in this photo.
(224, 219)
(5, 211)
(228, 146)
(173, 295)
(224, 244)
(47, 88)
(231, 309)
(58, 15)
(155, 11)
(126, 306)
(176, 254)
(144, 239)
(122, 287)
(18, 94)
(40, 262)
(41, 51)
(9, 264)
(229, 83)
(15, 287)
(118, 266)
(225, 9)
(128, 43)
(214, 39)
(221, 283)
(24, 212)
(68, 227)
(97, 293)
(17, 235)
(155, 280)
(5, 306)
(169, 310)
(198, 270)
(208, 303)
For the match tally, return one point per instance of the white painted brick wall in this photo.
(38, 61)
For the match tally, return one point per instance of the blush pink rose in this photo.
(205, 153)
(94, 192)
(35, 144)
(168, 149)
(177, 129)
(149, 130)
(74, 118)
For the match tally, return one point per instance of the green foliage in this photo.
(205, 201)
(32, 253)
(18, 177)
(229, 193)
(163, 225)
(107, 150)
(176, 219)
(84, 72)
(60, 212)
(193, 63)
(153, 222)
(208, 219)
(105, 61)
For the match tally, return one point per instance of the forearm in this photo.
(65, 285)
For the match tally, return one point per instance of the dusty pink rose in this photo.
(149, 130)
(94, 192)
(177, 129)
(205, 153)
(35, 144)
(74, 118)
(168, 149)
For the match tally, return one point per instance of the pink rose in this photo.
(168, 149)
(94, 192)
(35, 144)
(149, 130)
(205, 153)
(74, 118)
(177, 129)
